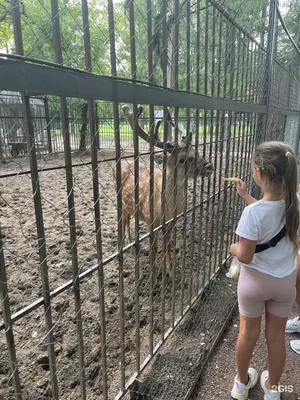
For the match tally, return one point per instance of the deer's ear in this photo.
(158, 158)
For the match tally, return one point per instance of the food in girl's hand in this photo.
(232, 179)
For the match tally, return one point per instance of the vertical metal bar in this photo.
(223, 251)
(175, 180)
(92, 107)
(204, 276)
(97, 124)
(212, 91)
(47, 118)
(151, 197)
(254, 66)
(119, 189)
(243, 70)
(237, 164)
(229, 152)
(218, 255)
(136, 194)
(188, 138)
(4, 297)
(163, 199)
(199, 261)
(197, 133)
(71, 203)
(37, 207)
(269, 62)
(251, 73)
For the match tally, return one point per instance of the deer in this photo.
(181, 154)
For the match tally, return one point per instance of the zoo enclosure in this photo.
(245, 90)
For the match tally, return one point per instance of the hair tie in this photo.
(288, 153)
(261, 163)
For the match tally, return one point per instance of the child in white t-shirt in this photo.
(267, 278)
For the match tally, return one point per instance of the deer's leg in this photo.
(153, 253)
(126, 227)
(169, 247)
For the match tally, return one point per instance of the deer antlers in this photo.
(134, 123)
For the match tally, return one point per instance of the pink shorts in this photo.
(257, 291)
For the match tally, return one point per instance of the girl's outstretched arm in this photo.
(241, 189)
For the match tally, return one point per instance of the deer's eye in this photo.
(181, 160)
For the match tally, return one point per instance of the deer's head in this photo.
(183, 154)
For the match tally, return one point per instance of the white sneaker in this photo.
(295, 346)
(240, 391)
(293, 325)
(269, 394)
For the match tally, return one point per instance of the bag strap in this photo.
(272, 243)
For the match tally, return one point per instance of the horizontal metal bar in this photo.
(15, 76)
(45, 80)
(20, 76)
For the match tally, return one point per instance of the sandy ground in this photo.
(18, 229)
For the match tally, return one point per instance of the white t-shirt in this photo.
(261, 221)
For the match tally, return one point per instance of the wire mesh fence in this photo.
(115, 221)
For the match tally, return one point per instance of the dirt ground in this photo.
(217, 379)
(18, 229)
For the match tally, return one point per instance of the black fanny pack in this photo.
(272, 242)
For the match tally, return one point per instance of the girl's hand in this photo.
(233, 249)
(241, 188)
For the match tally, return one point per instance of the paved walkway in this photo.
(217, 379)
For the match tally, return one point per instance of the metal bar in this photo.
(96, 197)
(119, 189)
(188, 138)
(269, 62)
(211, 134)
(197, 133)
(175, 177)
(247, 71)
(37, 208)
(223, 121)
(71, 203)
(136, 195)
(151, 197)
(231, 121)
(219, 143)
(14, 74)
(286, 30)
(165, 159)
(229, 152)
(46, 105)
(243, 70)
(204, 276)
(4, 297)
(97, 124)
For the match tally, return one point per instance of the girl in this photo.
(268, 278)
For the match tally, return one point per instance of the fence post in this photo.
(269, 65)
(47, 117)
(97, 126)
